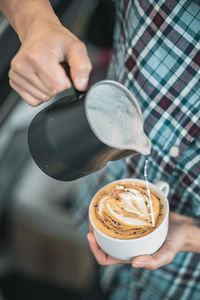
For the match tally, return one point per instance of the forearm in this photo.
(24, 14)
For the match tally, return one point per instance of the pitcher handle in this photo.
(163, 186)
(77, 93)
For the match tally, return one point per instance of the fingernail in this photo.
(139, 264)
(55, 92)
(44, 96)
(81, 82)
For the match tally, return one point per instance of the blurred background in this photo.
(42, 254)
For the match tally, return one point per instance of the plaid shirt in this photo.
(157, 56)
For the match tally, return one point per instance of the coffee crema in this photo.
(122, 210)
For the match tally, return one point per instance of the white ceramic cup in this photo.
(148, 244)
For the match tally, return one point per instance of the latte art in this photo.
(122, 210)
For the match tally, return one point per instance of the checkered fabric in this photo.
(157, 56)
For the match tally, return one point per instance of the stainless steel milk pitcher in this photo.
(77, 135)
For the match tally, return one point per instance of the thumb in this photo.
(152, 262)
(80, 65)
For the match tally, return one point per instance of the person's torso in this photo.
(157, 56)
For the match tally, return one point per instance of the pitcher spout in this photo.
(143, 144)
(147, 149)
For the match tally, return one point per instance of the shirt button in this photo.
(174, 151)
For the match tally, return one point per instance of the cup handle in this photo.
(163, 186)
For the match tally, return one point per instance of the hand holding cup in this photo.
(166, 242)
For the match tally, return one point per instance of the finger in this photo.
(28, 69)
(32, 79)
(29, 88)
(80, 65)
(52, 74)
(101, 257)
(26, 96)
(152, 262)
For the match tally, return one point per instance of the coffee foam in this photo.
(122, 210)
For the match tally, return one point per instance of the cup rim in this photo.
(153, 186)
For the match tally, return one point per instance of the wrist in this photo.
(36, 26)
(30, 16)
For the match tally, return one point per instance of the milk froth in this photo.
(122, 210)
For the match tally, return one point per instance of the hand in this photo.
(36, 73)
(177, 240)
